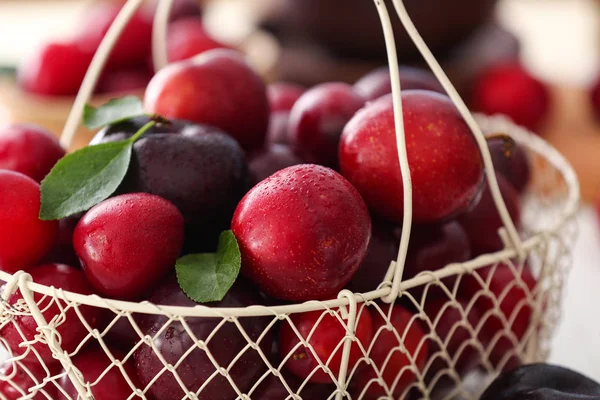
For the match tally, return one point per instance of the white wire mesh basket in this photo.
(172, 348)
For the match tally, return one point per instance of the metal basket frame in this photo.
(347, 306)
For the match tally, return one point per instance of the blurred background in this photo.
(309, 41)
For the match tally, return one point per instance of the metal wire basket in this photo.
(227, 352)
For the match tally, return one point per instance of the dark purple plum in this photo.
(271, 159)
(225, 345)
(482, 223)
(204, 174)
(63, 251)
(378, 83)
(434, 246)
(510, 160)
(431, 247)
(383, 249)
(126, 129)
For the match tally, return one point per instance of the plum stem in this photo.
(142, 130)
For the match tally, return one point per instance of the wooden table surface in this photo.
(575, 131)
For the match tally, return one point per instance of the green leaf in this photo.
(207, 277)
(116, 110)
(82, 179)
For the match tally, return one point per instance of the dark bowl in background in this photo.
(351, 28)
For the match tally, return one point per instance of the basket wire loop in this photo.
(95, 69)
(515, 240)
(401, 147)
(11, 285)
(349, 315)
(50, 334)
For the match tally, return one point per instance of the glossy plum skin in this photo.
(126, 129)
(447, 317)
(29, 149)
(509, 89)
(445, 163)
(377, 83)
(217, 88)
(57, 69)
(22, 381)
(126, 244)
(271, 159)
(543, 382)
(386, 342)
(482, 222)
(187, 38)
(71, 331)
(29, 239)
(302, 233)
(283, 95)
(510, 160)
(134, 44)
(271, 388)
(514, 305)
(208, 177)
(92, 362)
(325, 341)
(173, 342)
(318, 118)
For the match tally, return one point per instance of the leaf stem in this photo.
(142, 130)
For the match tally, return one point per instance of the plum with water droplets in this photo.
(302, 232)
(444, 159)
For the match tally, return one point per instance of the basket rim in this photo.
(500, 123)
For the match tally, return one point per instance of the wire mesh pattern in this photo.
(476, 318)
(440, 334)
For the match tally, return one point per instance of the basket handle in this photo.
(95, 69)
(513, 235)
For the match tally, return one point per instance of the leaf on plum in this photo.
(84, 178)
(115, 111)
(207, 277)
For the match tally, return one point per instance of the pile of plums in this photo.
(58, 68)
(309, 182)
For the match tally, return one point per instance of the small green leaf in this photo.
(82, 179)
(207, 277)
(116, 110)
